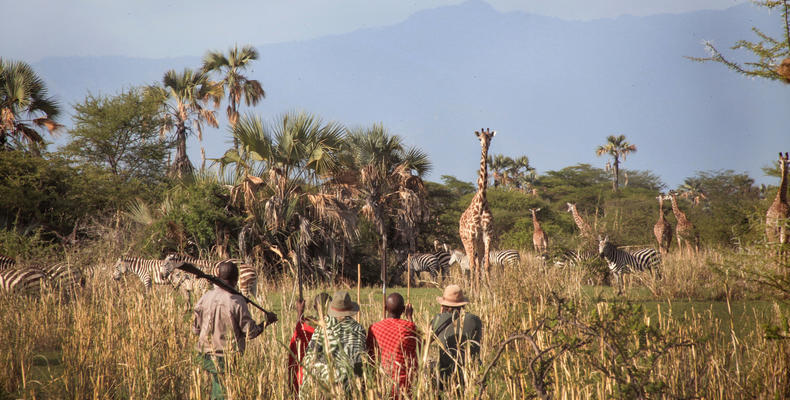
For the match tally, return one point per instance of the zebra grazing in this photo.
(458, 256)
(423, 262)
(7, 262)
(63, 276)
(573, 258)
(442, 262)
(622, 262)
(248, 275)
(22, 280)
(149, 271)
(504, 258)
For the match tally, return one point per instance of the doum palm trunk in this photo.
(615, 184)
(181, 166)
(384, 270)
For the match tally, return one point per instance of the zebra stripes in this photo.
(572, 258)
(22, 280)
(149, 271)
(7, 262)
(423, 262)
(504, 258)
(442, 262)
(621, 261)
(63, 276)
(457, 256)
(248, 275)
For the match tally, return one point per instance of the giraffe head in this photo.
(571, 207)
(784, 161)
(485, 136)
(603, 243)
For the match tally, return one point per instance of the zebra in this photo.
(423, 262)
(504, 258)
(63, 276)
(573, 258)
(248, 275)
(458, 256)
(622, 262)
(22, 280)
(6, 262)
(149, 271)
(442, 262)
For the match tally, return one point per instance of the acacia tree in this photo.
(618, 148)
(25, 107)
(120, 133)
(773, 54)
(238, 86)
(184, 97)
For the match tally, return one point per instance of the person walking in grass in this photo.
(335, 352)
(223, 324)
(393, 342)
(459, 334)
(305, 326)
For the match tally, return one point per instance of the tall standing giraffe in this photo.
(539, 238)
(776, 219)
(476, 223)
(662, 229)
(586, 231)
(685, 231)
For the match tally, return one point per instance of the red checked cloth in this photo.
(394, 343)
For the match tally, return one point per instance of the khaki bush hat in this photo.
(342, 306)
(453, 297)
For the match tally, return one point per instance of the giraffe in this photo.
(539, 238)
(476, 223)
(662, 229)
(586, 231)
(685, 231)
(776, 218)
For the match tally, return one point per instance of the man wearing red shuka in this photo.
(301, 337)
(393, 342)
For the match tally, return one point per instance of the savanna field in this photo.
(607, 282)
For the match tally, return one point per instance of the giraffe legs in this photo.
(486, 253)
(471, 253)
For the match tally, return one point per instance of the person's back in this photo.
(222, 318)
(393, 342)
(458, 332)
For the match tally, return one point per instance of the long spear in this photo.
(191, 269)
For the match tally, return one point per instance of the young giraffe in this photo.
(539, 238)
(586, 231)
(662, 229)
(776, 218)
(476, 222)
(685, 230)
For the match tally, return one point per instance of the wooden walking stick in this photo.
(299, 275)
(359, 280)
(408, 279)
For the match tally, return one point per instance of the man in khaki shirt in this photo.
(223, 324)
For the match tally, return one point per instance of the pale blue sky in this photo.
(157, 28)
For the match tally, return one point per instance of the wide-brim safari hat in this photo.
(342, 306)
(453, 296)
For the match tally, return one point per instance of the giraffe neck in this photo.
(579, 221)
(660, 208)
(675, 209)
(482, 179)
(535, 223)
(781, 195)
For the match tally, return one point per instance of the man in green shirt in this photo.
(459, 334)
(335, 352)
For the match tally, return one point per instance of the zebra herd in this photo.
(618, 261)
(29, 280)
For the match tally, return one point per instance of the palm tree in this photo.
(618, 148)
(25, 107)
(278, 172)
(392, 193)
(499, 165)
(522, 172)
(184, 97)
(238, 86)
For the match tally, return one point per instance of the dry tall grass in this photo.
(664, 338)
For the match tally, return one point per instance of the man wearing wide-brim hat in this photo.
(339, 338)
(459, 334)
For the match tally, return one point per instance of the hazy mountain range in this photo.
(553, 89)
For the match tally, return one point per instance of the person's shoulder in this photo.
(474, 318)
